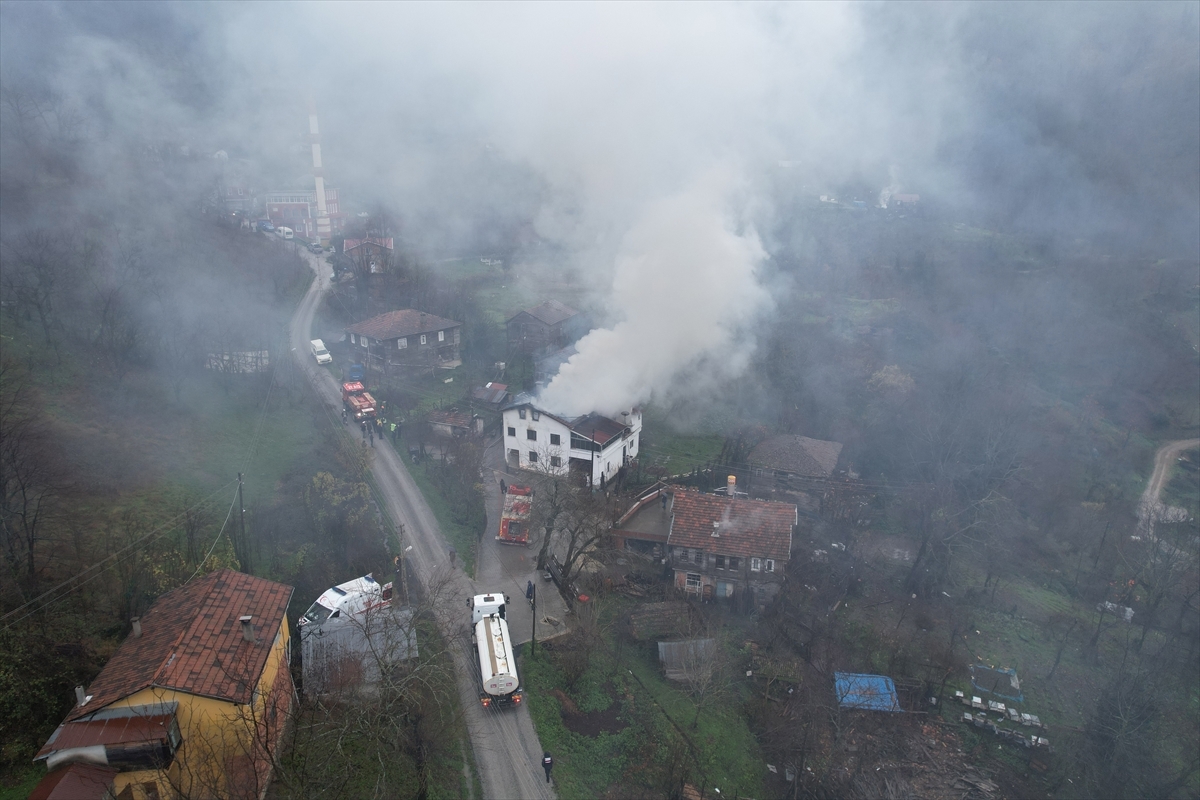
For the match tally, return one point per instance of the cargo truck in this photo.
(358, 401)
(514, 519)
(498, 681)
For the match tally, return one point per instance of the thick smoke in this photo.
(685, 289)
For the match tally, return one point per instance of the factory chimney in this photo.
(314, 134)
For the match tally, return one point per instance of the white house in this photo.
(592, 446)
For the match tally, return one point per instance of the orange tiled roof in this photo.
(748, 528)
(405, 322)
(192, 641)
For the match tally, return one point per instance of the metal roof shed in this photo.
(867, 692)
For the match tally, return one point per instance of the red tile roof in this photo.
(191, 641)
(76, 782)
(748, 528)
(405, 322)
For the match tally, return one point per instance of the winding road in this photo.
(507, 751)
(1164, 459)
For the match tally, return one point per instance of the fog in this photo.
(651, 150)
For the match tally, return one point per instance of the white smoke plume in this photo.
(686, 288)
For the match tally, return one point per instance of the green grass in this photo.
(658, 718)
(19, 784)
(675, 451)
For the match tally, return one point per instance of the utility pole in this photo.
(242, 523)
(533, 623)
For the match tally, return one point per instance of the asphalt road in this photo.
(507, 751)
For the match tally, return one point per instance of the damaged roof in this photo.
(404, 322)
(797, 455)
(746, 528)
(598, 428)
(191, 641)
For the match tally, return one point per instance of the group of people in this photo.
(377, 427)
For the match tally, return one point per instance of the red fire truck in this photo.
(514, 520)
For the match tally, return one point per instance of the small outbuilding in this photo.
(866, 692)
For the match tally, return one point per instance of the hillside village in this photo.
(424, 465)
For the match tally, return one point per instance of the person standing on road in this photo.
(371, 433)
(343, 415)
(503, 488)
(547, 764)
(363, 425)
(453, 557)
(393, 433)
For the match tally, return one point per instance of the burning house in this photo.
(592, 447)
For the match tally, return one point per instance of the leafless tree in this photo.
(31, 482)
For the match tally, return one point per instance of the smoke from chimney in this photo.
(137, 627)
(247, 628)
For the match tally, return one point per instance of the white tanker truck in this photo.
(498, 679)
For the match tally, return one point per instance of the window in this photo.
(535, 414)
(733, 562)
(555, 439)
(693, 580)
(720, 561)
(512, 431)
(423, 338)
(769, 566)
(521, 413)
(531, 435)
(441, 336)
(362, 340)
(555, 461)
(532, 457)
(698, 556)
(353, 339)
(756, 565)
(402, 343)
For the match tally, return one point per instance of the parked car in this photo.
(314, 247)
(319, 352)
(265, 226)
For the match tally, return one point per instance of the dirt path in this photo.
(507, 751)
(1164, 459)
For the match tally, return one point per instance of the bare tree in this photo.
(30, 481)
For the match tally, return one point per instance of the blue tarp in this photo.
(868, 692)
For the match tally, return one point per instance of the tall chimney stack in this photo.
(731, 485)
(79, 696)
(137, 627)
(247, 628)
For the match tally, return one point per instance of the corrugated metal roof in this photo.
(798, 455)
(550, 312)
(124, 730)
(866, 692)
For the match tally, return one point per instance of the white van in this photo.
(286, 233)
(349, 599)
(319, 352)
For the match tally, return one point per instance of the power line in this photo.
(204, 560)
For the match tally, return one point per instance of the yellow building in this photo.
(193, 704)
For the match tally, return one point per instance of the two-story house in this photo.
(592, 447)
(723, 547)
(550, 325)
(406, 338)
(193, 703)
